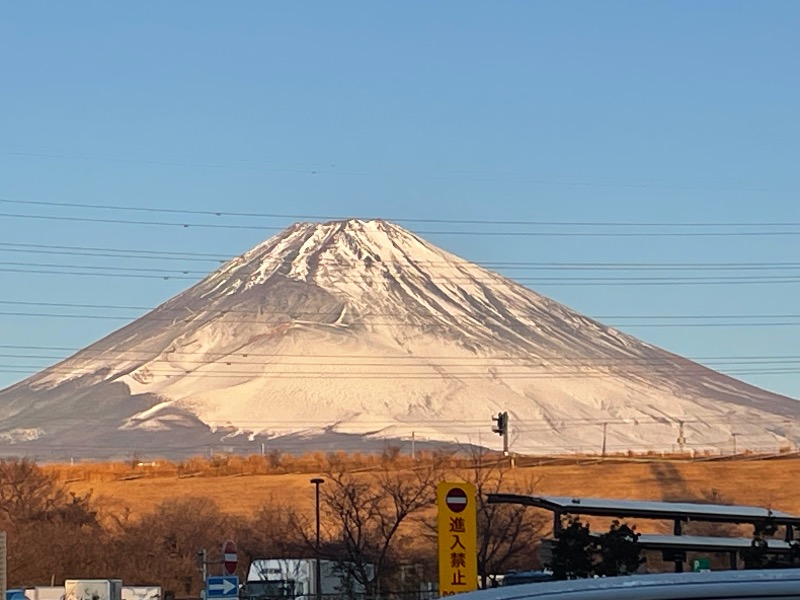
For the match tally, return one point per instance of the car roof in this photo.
(656, 586)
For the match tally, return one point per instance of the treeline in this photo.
(383, 518)
(276, 462)
(273, 462)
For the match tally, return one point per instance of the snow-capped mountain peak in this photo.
(361, 328)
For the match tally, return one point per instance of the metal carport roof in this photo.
(683, 511)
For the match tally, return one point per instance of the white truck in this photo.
(269, 578)
(45, 592)
(93, 589)
(141, 592)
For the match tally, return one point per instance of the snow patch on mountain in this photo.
(362, 328)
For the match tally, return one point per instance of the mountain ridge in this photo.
(318, 330)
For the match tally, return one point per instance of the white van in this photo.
(718, 585)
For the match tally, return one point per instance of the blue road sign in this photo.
(222, 587)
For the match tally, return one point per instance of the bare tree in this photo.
(507, 534)
(162, 545)
(363, 516)
(52, 532)
(271, 533)
(27, 493)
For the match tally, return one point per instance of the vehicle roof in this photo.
(527, 574)
(656, 586)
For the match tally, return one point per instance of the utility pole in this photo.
(3, 563)
(605, 438)
(202, 559)
(733, 435)
(413, 447)
(681, 437)
(317, 481)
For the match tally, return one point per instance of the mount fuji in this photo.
(351, 334)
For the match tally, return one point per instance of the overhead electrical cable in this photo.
(104, 252)
(529, 356)
(317, 217)
(665, 420)
(293, 359)
(185, 274)
(515, 233)
(393, 375)
(398, 323)
(261, 311)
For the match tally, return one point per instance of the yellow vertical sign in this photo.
(458, 538)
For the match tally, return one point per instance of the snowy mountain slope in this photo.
(360, 328)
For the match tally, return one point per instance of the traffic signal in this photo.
(502, 423)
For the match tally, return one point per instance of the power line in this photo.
(539, 422)
(520, 265)
(103, 268)
(404, 357)
(186, 225)
(402, 370)
(318, 360)
(96, 274)
(183, 274)
(317, 217)
(393, 373)
(567, 451)
(104, 252)
(306, 375)
(360, 320)
(127, 256)
(461, 431)
(182, 310)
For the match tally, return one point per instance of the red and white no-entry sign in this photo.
(230, 558)
(456, 500)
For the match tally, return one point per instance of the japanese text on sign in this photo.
(457, 524)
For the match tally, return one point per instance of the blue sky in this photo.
(659, 112)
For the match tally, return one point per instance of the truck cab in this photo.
(281, 578)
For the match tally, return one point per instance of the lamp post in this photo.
(317, 481)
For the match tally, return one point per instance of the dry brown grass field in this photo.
(242, 485)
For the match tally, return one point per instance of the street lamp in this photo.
(317, 481)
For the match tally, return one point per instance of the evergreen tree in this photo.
(620, 553)
(574, 550)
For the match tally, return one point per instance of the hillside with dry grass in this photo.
(144, 521)
(240, 485)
